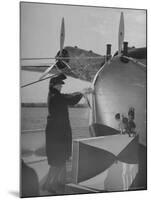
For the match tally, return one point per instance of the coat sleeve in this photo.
(72, 99)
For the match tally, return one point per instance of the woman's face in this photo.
(58, 87)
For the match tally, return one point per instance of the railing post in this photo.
(125, 48)
(108, 52)
(124, 53)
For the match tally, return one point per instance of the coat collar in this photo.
(53, 91)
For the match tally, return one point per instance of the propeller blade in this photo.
(121, 34)
(47, 71)
(62, 36)
(67, 70)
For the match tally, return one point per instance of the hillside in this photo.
(84, 63)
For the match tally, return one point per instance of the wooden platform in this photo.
(108, 163)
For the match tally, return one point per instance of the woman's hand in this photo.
(86, 91)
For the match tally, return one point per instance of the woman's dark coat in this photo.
(58, 130)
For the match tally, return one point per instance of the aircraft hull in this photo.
(117, 87)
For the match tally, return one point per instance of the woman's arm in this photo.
(72, 99)
(75, 97)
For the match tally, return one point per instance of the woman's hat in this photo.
(58, 80)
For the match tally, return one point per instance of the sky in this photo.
(89, 28)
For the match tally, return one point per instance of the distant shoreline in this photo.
(45, 105)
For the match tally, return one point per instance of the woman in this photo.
(58, 133)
